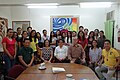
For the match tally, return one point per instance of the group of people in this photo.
(27, 48)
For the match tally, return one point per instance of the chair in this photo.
(15, 71)
(117, 69)
(3, 71)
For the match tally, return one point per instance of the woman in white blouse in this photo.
(94, 54)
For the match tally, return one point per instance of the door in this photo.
(109, 31)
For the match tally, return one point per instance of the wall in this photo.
(117, 44)
(5, 12)
(40, 18)
(116, 8)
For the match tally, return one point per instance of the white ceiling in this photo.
(22, 2)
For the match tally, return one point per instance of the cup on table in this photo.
(69, 77)
(42, 65)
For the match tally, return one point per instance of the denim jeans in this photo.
(8, 62)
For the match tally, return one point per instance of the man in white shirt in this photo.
(61, 53)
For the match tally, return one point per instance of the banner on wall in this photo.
(70, 23)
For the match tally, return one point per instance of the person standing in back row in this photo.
(45, 36)
(9, 46)
(34, 44)
(82, 40)
(101, 39)
(29, 29)
(19, 33)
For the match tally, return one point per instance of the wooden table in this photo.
(78, 72)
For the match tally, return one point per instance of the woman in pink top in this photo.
(9, 46)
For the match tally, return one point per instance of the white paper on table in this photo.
(57, 69)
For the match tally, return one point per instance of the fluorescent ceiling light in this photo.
(42, 6)
(68, 6)
(95, 4)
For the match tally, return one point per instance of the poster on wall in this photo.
(70, 23)
(21, 24)
(3, 26)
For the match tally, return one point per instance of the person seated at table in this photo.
(76, 51)
(94, 54)
(60, 53)
(111, 59)
(25, 54)
(47, 52)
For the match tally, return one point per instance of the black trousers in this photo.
(3, 70)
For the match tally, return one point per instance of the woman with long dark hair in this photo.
(82, 40)
(38, 36)
(58, 34)
(40, 42)
(15, 35)
(90, 38)
(47, 52)
(63, 36)
(9, 46)
(86, 32)
(39, 49)
(34, 42)
(68, 39)
(96, 33)
(52, 39)
(94, 54)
